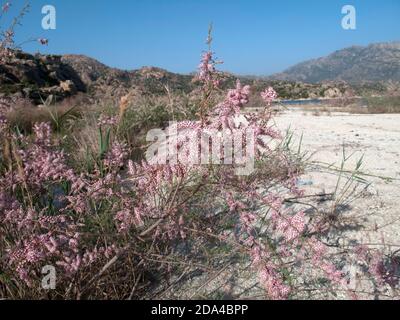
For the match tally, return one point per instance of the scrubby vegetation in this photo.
(386, 104)
(81, 193)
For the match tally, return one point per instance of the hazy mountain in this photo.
(357, 64)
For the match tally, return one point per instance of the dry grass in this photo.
(24, 117)
(367, 105)
(376, 105)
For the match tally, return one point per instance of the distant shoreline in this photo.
(316, 100)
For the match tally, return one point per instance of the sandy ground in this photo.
(377, 139)
(375, 213)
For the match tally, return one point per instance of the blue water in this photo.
(300, 102)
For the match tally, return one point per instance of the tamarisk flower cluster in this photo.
(208, 74)
(46, 228)
(384, 268)
(104, 121)
(115, 158)
(269, 95)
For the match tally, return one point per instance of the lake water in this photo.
(301, 102)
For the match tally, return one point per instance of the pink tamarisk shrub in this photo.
(381, 266)
(221, 182)
(179, 192)
(78, 221)
(34, 232)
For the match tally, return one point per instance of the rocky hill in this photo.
(38, 78)
(357, 64)
(101, 79)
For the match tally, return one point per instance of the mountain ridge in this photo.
(356, 64)
(38, 77)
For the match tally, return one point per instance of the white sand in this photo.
(377, 137)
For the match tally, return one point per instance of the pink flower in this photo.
(238, 97)
(116, 157)
(107, 121)
(292, 227)
(206, 68)
(43, 133)
(274, 286)
(207, 73)
(269, 95)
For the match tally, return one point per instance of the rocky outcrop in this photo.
(333, 93)
(36, 77)
(40, 78)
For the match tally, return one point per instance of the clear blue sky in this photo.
(251, 36)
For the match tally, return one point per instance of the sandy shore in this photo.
(374, 136)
